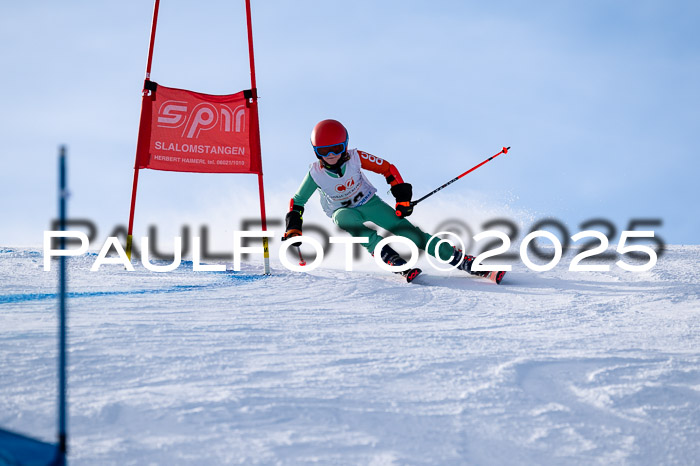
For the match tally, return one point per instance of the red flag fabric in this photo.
(188, 131)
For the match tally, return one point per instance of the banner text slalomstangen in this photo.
(188, 131)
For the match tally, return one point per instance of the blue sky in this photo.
(598, 99)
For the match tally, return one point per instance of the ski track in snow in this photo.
(358, 367)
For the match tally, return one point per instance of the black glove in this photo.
(294, 221)
(403, 193)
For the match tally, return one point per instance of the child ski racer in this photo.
(350, 199)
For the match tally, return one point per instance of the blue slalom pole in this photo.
(62, 198)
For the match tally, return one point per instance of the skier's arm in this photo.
(294, 218)
(375, 164)
(304, 192)
(401, 191)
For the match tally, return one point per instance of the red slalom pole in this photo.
(503, 151)
(249, 26)
(144, 103)
(256, 135)
(302, 262)
(153, 38)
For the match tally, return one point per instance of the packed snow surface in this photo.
(359, 367)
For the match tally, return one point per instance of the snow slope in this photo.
(358, 367)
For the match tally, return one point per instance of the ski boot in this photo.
(464, 262)
(391, 257)
(466, 265)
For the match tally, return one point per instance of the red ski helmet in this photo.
(329, 133)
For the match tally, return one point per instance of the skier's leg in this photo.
(382, 214)
(352, 220)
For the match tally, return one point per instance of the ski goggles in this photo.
(333, 149)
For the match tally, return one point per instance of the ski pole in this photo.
(503, 151)
(302, 262)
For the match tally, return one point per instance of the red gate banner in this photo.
(188, 131)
